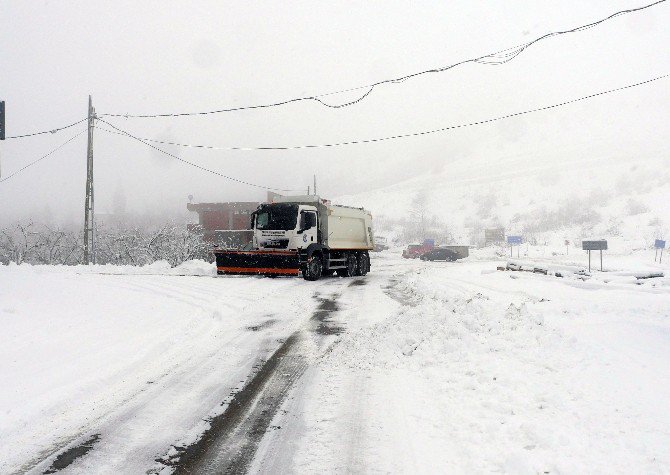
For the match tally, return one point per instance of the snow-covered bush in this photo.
(136, 246)
(40, 244)
(568, 213)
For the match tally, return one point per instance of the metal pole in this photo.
(89, 252)
(589, 260)
(315, 184)
(660, 260)
(2, 120)
(2, 127)
(511, 250)
(601, 260)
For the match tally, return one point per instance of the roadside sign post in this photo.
(514, 241)
(600, 245)
(2, 120)
(567, 247)
(2, 126)
(659, 244)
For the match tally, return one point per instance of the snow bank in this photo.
(193, 267)
(481, 373)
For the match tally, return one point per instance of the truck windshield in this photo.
(277, 216)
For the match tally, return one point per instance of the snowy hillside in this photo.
(546, 199)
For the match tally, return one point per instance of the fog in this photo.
(172, 57)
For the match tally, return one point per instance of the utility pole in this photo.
(2, 120)
(89, 246)
(2, 126)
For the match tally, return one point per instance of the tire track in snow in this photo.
(177, 376)
(278, 450)
(68, 457)
(230, 443)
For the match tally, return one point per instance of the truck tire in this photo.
(313, 269)
(363, 264)
(352, 267)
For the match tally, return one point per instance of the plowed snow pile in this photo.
(479, 372)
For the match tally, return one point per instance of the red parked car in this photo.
(416, 250)
(413, 251)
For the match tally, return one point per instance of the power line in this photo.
(495, 59)
(227, 177)
(44, 156)
(52, 131)
(392, 137)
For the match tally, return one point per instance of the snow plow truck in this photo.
(303, 235)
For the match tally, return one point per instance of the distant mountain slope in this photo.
(543, 198)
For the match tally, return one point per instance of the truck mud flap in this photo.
(257, 262)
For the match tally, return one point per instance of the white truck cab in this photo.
(285, 226)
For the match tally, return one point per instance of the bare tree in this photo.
(39, 244)
(418, 213)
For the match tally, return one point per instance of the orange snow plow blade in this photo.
(257, 262)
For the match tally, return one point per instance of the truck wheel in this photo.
(351, 268)
(363, 264)
(313, 269)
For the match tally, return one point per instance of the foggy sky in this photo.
(168, 56)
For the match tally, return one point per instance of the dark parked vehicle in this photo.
(439, 254)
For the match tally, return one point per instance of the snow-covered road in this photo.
(418, 367)
(139, 359)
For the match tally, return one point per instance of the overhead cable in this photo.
(43, 156)
(495, 59)
(392, 137)
(52, 131)
(227, 177)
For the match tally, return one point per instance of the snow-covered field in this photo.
(139, 358)
(441, 366)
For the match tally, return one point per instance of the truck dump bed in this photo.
(343, 227)
(349, 228)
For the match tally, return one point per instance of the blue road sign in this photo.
(514, 240)
(659, 244)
